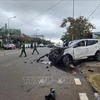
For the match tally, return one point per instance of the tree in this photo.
(66, 37)
(3, 34)
(78, 27)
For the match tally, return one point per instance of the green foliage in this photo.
(66, 36)
(1, 29)
(39, 41)
(79, 27)
(3, 33)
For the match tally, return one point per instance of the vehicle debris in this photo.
(91, 70)
(55, 56)
(28, 90)
(97, 95)
(51, 96)
(47, 67)
(46, 55)
(31, 62)
(46, 62)
(73, 72)
(72, 66)
(22, 86)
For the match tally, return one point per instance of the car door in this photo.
(92, 46)
(79, 50)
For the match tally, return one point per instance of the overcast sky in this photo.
(45, 16)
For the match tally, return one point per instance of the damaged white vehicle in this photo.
(76, 50)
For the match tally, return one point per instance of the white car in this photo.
(27, 45)
(82, 49)
(41, 45)
(59, 45)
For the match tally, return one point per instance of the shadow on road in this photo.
(76, 64)
(68, 69)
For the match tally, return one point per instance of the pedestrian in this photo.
(23, 50)
(35, 49)
(19, 45)
(31, 45)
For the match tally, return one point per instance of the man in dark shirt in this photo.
(35, 49)
(23, 50)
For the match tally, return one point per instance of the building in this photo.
(9, 35)
(96, 35)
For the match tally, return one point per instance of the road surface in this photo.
(22, 78)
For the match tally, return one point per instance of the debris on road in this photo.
(22, 86)
(46, 55)
(31, 62)
(55, 55)
(72, 66)
(46, 62)
(97, 96)
(73, 72)
(91, 70)
(47, 67)
(28, 90)
(51, 96)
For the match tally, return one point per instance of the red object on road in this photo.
(73, 72)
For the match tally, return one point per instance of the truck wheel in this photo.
(97, 56)
(66, 60)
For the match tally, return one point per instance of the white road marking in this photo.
(77, 81)
(83, 96)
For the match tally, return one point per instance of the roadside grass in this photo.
(92, 76)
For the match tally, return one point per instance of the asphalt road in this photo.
(22, 78)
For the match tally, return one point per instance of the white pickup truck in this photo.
(81, 49)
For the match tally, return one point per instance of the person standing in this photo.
(31, 45)
(23, 50)
(35, 49)
(19, 45)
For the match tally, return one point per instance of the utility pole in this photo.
(9, 30)
(73, 8)
(73, 18)
(36, 32)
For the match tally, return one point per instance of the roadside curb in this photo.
(89, 69)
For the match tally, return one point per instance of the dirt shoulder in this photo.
(91, 71)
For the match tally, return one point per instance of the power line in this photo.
(93, 11)
(61, 7)
(95, 16)
(42, 13)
